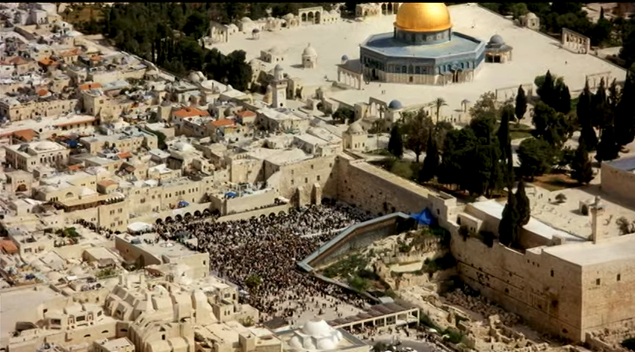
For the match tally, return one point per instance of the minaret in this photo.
(596, 210)
(279, 86)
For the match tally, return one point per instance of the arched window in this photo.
(418, 70)
(404, 69)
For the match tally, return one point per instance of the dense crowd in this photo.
(267, 248)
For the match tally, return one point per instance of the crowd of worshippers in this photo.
(269, 247)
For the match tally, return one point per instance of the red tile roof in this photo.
(42, 92)
(246, 113)
(223, 122)
(190, 112)
(19, 60)
(124, 155)
(88, 86)
(25, 135)
(8, 247)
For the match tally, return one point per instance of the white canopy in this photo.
(139, 227)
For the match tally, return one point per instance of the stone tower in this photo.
(596, 210)
(279, 87)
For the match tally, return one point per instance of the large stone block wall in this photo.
(606, 293)
(378, 191)
(542, 289)
(617, 183)
(359, 238)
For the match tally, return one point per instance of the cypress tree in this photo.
(546, 90)
(504, 141)
(431, 161)
(522, 204)
(565, 99)
(607, 148)
(625, 113)
(583, 111)
(599, 107)
(521, 103)
(581, 168)
(509, 224)
(395, 143)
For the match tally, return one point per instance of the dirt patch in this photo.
(555, 182)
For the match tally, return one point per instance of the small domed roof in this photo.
(531, 15)
(344, 57)
(46, 145)
(309, 51)
(395, 105)
(496, 40)
(288, 16)
(245, 20)
(275, 50)
(278, 68)
(355, 128)
(316, 328)
(254, 62)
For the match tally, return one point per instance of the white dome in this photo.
(183, 146)
(295, 342)
(355, 128)
(245, 20)
(308, 344)
(309, 51)
(316, 328)
(254, 63)
(326, 344)
(46, 145)
(275, 50)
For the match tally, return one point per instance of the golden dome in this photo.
(423, 17)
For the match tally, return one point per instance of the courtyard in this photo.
(534, 53)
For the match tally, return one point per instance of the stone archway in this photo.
(21, 188)
(303, 17)
(389, 8)
(310, 17)
(179, 218)
(384, 10)
(159, 222)
(197, 214)
(317, 17)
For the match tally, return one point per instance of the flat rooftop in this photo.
(385, 44)
(624, 164)
(612, 249)
(13, 309)
(534, 53)
(495, 209)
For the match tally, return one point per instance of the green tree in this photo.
(439, 103)
(608, 149)
(600, 109)
(564, 103)
(253, 282)
(625, 113)
(546, 90)
(581, 168)
(583, 112)
(430, 162)
(502, 134)
(485, 106)
(536, 157)
(522, 204)
(509, 225)
(417, 129)
(521, 103)
(550, 125)
(395, 143)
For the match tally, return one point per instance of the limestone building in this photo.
(30, 156)
(497, 51)
(422, 49)
(530, 21)
(309, 57)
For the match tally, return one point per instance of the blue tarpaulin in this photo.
(230, 194)
(423, 218)
(183, 204)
